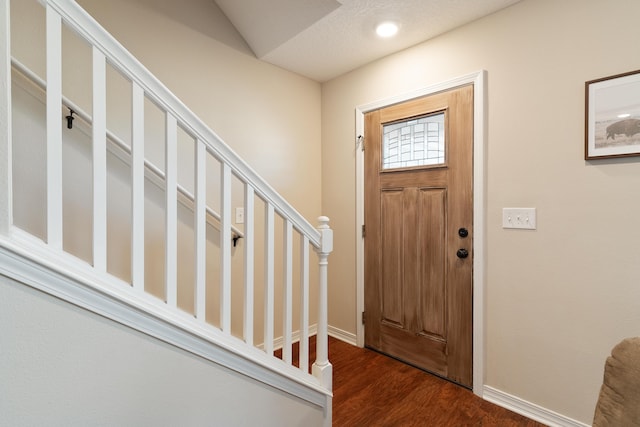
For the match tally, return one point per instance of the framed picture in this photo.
(612, 116)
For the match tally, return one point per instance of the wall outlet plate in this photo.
(524, 218)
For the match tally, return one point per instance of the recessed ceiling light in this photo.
(387, 29)
(623, 116)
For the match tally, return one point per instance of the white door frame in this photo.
(479, 208)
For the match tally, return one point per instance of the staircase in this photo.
(179, 270)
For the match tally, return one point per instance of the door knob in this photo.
(462, 253)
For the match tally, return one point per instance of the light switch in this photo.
(239, 215)
(524, 218)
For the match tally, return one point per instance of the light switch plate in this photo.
(524, 218)
(239, 215)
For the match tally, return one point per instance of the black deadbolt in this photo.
(463, 232)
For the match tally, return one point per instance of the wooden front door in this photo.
(418, 241)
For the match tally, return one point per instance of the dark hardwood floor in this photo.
(370, 389)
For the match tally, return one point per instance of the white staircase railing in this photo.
(208, 146)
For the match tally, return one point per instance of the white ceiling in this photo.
(323, 39)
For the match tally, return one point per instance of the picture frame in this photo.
(612, 116)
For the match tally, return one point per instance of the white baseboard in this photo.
(528, 409)
(345, 336)
(336, 333)
(295, 337)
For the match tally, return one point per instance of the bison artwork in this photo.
(628, 127)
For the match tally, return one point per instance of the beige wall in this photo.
(558, 298)
(269, 116)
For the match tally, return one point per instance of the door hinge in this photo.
(360, 142)
(363, 318)
(364, 232)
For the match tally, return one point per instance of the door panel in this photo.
(392, 255)
(418, 292)
(431, 237)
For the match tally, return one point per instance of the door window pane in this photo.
(415, 142)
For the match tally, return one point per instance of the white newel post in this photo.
(5, 118)
(322, 369)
